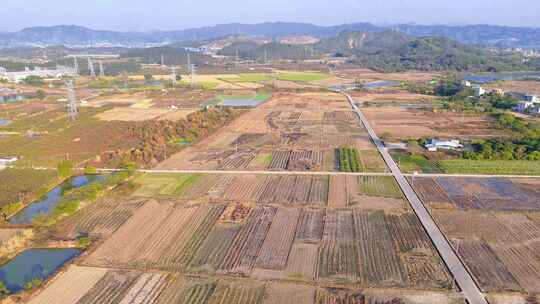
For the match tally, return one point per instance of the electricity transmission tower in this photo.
(76, 65)
(101, 70)
(173, 76)
(72, 101)
(162, 60)
(191, 69)
(91, 68)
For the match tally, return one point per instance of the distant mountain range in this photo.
(76, 36)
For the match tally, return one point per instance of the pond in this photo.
(490, 77)
(241, 102)
(380, 84)
(47, 204)
(34, 264)
(4, 122)
(13, 98)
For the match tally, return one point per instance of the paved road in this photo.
(463, 278)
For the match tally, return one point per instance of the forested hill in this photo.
(387, 51)
(70, 35)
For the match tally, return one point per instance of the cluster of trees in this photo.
(157, 138)
(458, 98)
(523, 144)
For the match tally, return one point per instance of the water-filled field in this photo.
(33, 266)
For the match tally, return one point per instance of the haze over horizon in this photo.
(134, 15)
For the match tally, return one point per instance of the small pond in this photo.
(47, 204)
(4, 122)
(380, 84)
(490, 77)
(34, 264)
(241, 102)
(13, 98)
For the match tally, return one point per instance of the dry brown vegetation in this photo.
(410, 123)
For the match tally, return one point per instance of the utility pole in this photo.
(101, 70)
(265, 56)
(236, 59)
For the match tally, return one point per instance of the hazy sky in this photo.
(145, 15)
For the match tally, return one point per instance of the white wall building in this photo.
(523, 106)
(433, 145)
(59, 72)
(479, 91)
(532, 98)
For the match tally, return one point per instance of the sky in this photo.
(146, 15)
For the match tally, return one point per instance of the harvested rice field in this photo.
(319, 191)
(402, 123)
(141, 114)
(290, 132)
(493, 225)
(102, 285)
(274, 228)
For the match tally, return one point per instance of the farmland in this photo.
(297, 227)
(492, 224)
(305, 134)
(102, 285)
(276, 234)
(402, 123)
(280, 190)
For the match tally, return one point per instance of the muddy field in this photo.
(410, 123)
(291, 132)
(493, 224)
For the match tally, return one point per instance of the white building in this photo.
(479, 91)
(466, 83)
(532, 98)
(523, 106)
(4, 161)
(529, 104)
(59, 72)
(433, 145)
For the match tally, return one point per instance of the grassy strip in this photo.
(511, 167)
(349, 160)
(18, 185)
(384, 186)
(302, 77)
(254, 77)
(416, 163)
